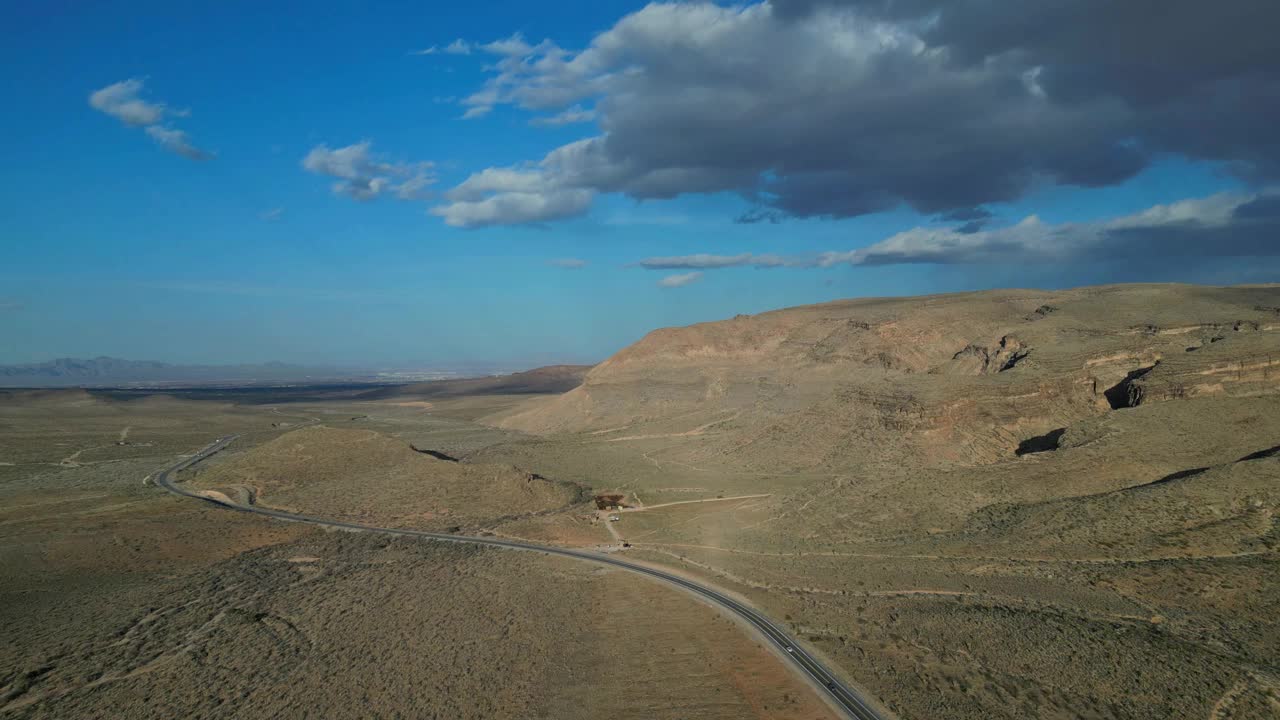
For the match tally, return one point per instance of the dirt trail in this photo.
(700, 430)
(690, 502)
(1227, 700)
(608, 525)
(70, 460)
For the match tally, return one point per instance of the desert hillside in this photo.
(366, 476)
(949, 379)
(998, 504)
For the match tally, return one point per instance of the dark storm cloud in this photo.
(1262, 208)
(973, 219)
(759, 215)
(973, 214)
(1198, 78)
(837, 109)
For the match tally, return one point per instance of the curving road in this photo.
(846, 699)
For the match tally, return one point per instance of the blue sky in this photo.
(114, 242)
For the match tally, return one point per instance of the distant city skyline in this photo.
(431, 185)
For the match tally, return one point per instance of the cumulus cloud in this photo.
(569, 263)
(510, 196)
(363, 176)
(830, 108)
(675, 281)
(123, 101)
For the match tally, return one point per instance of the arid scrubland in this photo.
(120, 600)
(366, 476)
(1015, 504)
(1000, 504)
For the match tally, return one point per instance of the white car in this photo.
(790, 649)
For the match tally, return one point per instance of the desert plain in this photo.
(1006, 504)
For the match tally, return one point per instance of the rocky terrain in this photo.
(951, 379)
(998, 504)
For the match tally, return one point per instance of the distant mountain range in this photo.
(108, 371)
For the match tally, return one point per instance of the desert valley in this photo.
(1004, 504)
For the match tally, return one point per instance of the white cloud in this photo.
(514, 46)
(498, 180)
(175, 141)
(675, 281)
(510, 196)
(569, 263)
(362, 176)
(121, 100)
(711, 262)
(272, 215)
(457, 47)
(416, 186)
(515, 208)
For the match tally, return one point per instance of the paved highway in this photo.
(849, 701)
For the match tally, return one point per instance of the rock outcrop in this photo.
(952, 378)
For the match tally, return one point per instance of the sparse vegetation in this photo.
(965, 539)
(122, 601)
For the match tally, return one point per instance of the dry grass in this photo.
(369, 477)
(119, 600)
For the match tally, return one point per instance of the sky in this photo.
(510, 184)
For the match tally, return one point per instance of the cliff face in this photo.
(955, 378)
